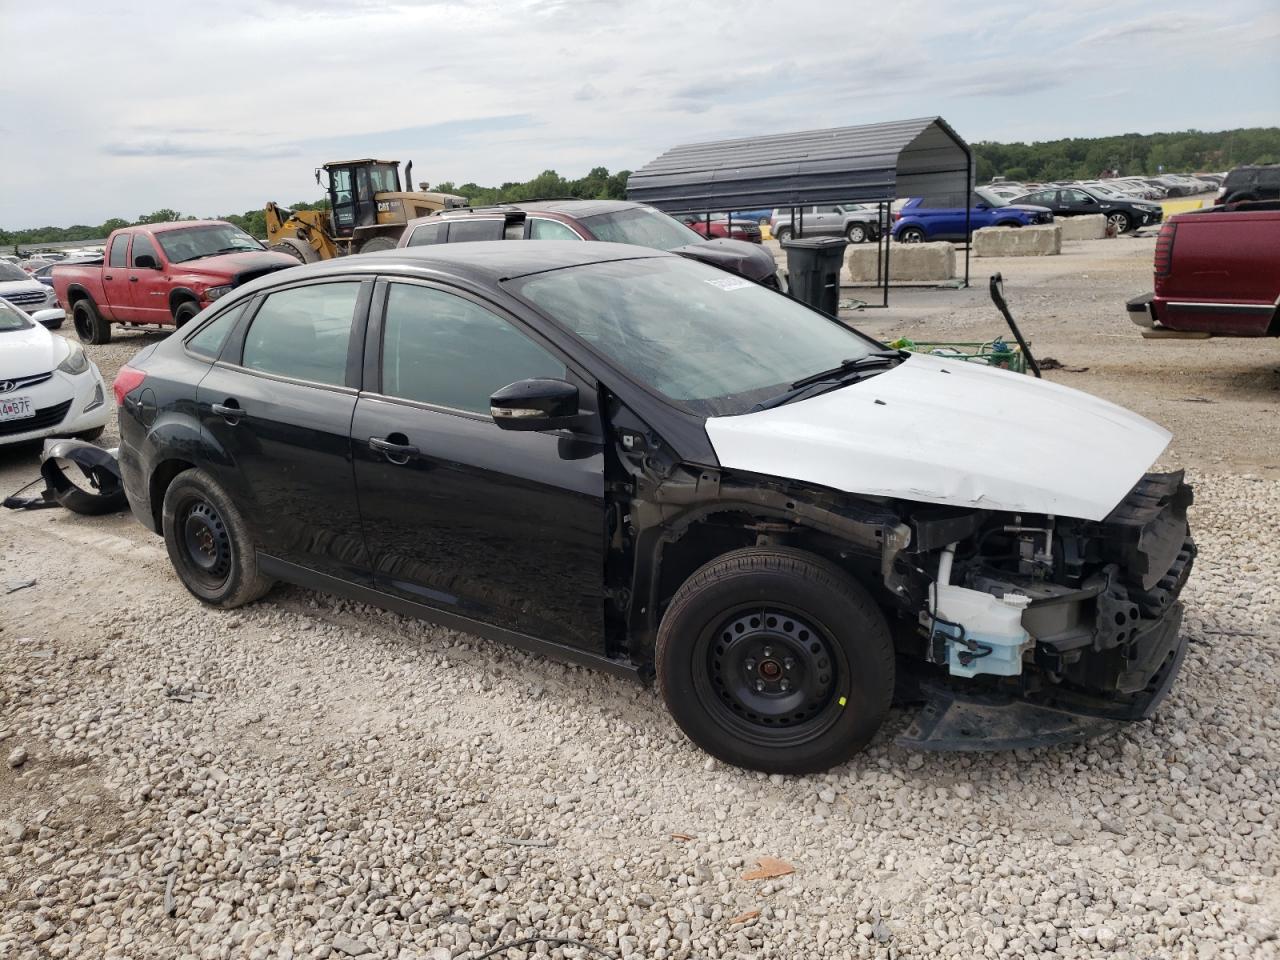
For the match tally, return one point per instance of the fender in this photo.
(78, 291)
(178, 294)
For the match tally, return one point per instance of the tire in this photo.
(209, 543)
(811, 642)
(374, 244)
(1120, 221)
(1010, 223)
(302, 252)
(185, 310)
(783, 233)
(911, 235)
(857, 233)
(89, 324)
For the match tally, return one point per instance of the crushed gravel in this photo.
(312, 778)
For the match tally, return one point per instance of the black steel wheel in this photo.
(89, 323)
(770, 676)
(209, 543)
(775, 659)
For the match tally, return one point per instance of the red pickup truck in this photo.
(1217, 274)
(160, 273)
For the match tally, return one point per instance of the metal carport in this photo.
(872, 163)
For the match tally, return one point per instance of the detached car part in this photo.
(99, 468)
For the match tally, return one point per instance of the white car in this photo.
(48, 385)
(20, 289)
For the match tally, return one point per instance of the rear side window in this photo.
(209, 340)
(118, 256)
(442, 349)
(304, 333)
(428, 233)
(462, 230)
(540, 229)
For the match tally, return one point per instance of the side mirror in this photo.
(540, 404)
(145, 261)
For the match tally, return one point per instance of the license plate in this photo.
(16, 408)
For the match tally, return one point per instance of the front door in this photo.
(148, 286)
(502, 527)
(279, 403)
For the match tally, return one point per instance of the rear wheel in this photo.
(783, 233)
(1119, 221)
(857, 233)
(89, 323)
(911, 235)
(374, 244)
(209, 543)
(775, 659)
(300, 250)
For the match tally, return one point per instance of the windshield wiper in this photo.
(848, 371)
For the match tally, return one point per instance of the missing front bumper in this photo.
(958, 720)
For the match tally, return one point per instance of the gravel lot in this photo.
(312, 778)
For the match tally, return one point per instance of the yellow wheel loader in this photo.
(367, 211)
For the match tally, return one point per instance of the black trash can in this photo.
(814, 267)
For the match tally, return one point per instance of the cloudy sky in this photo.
(110, 108)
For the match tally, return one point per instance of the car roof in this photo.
(179, 225)
(478, 261)
(567, 207)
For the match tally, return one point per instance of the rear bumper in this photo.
(1141, 310)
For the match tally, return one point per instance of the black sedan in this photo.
(1122, 215)
(641, 463)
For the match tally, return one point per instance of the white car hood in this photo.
(27, 352)
(951, 432)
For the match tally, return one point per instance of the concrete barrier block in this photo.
(1039, 241)
(907, 261)
(1090, 227)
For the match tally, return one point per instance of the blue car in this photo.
(941, 218)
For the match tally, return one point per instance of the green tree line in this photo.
(1129, 154)
(1078, 157)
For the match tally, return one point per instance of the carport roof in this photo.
(876, 161)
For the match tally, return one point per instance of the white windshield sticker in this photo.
(729, 283)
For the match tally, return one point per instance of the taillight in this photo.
(897, 215)
(126, 381)
(1164, 249)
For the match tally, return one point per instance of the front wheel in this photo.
(775, 659)
(1119, 222)
(185, 311)
(209, 543)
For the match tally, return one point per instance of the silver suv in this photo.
(858, 222)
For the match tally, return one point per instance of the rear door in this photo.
(115, 279)
(501, 527)
(825, 220)
(279, 403)
(148, 287)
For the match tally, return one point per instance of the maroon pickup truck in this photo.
(161, 273)
(1217, 274)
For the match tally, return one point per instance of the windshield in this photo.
(711, 342)
(11, 319)
(642, 226)
(9, 272)
(191, 243)
(990, 198)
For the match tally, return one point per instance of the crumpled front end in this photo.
(1078, 619)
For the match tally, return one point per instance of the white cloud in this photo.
(223, 105)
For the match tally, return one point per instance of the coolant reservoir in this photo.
(993, 638)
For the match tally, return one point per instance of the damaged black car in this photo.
(640, 463)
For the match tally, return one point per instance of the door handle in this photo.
(107, 276)
(133, 279)
(397, 453)
(230, 411)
